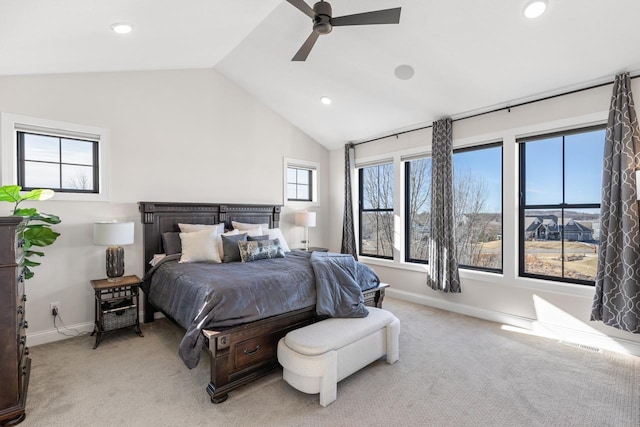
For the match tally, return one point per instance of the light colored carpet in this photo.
(453, 371)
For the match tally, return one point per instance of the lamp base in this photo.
(115, 263)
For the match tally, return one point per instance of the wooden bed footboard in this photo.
(244, 353)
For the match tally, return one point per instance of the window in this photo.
(58, 163)
(71, 159)
(299, 184)
(560, 186)
(376, 211)
(418, 209)
(477, 205)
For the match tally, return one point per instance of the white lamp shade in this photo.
(113, 233)
(306, 219)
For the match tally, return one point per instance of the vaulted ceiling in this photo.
(467, 55)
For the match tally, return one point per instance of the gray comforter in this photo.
(340, 281)
(210, 295)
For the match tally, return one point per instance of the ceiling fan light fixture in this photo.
(534, 8)
(325, 100)
(121, 27)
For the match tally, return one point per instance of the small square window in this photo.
(301, 182)
(58, 163)
(69, 158)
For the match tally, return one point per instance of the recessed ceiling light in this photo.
(535, 8)
(121, 28)
(404, 72)
(325, 100)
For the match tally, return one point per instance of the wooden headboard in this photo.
(161, 217)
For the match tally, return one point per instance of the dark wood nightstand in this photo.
(312, 249)
(116, 305)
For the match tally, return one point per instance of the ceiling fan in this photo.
(323, 22)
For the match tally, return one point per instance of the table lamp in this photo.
(113, 234)
(306, 219)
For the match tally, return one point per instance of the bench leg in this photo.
(329, 379)
(393, 341)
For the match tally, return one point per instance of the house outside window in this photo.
(560, 187)
(376, 219)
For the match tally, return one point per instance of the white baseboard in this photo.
(52, 335)
(536, 327)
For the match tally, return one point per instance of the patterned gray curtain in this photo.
(617, 298)
(443, 263)
(348, 233)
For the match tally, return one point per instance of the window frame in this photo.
(562, 207)
(314, 168)
(407, 201)
(11, 124)
(361, 209)
(297, 184)
(407, 204)
(21, 160)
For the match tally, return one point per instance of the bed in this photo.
(243, 346)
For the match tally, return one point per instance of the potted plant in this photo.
(38, 231)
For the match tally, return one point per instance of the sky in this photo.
(487, 164)
(583, 154)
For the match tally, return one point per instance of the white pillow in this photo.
(276, 233)
(190, 228)
(242, 226)
(199, 246)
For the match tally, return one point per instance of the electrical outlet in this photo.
(54, 308)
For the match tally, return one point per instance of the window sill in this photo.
(500, 279)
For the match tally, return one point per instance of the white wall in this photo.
(556, 309)
(175, 136)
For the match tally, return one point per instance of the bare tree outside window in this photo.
(418, 173)
(376, 211)
(478, 227)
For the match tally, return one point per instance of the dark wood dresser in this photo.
(14, 363)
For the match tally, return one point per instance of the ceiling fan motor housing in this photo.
(322, 20)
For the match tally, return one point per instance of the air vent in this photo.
(581, 346)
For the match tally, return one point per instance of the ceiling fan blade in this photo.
(303, 7)
(304, 50)
(386, 16)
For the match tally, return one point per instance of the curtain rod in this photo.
(396, 134)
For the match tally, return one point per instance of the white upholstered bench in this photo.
(314, 358)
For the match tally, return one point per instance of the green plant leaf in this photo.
(28, 274)
(45, 217)
(31, 253)
(32, 195)
(10, 193)
(40, 235)
(28, 212)
(29, 263)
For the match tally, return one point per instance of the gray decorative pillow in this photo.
(263, 249)
(230, 247)
(171, 243)
(258, 238)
